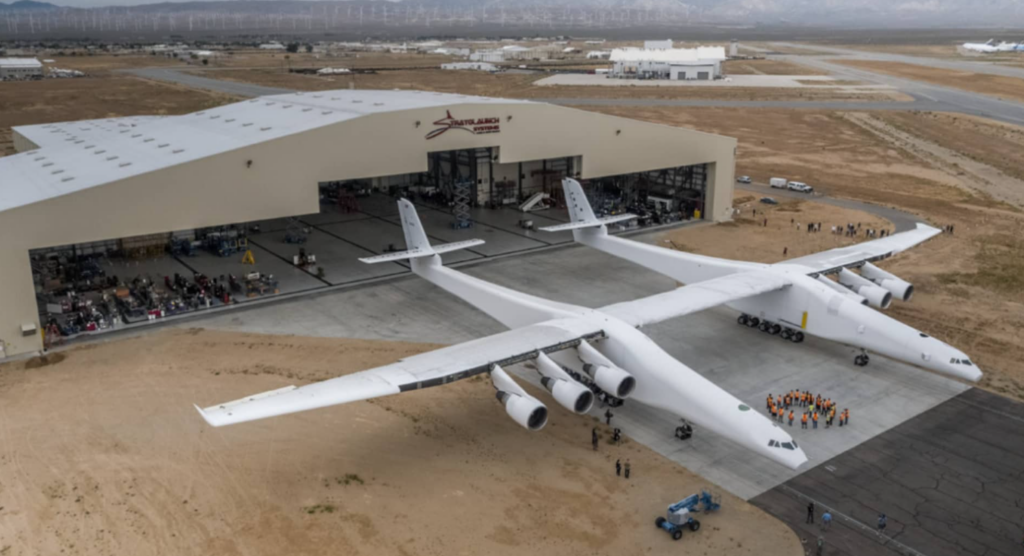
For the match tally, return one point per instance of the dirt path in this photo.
(970, 174)
(102, 453)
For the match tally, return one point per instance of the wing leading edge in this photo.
(696, 297)
(433, 368)
(833, 260)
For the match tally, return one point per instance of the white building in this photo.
(272, 46)
(20, 68)
(702, 63)
(477, 66)
(598, 54)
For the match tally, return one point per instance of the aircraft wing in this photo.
(833, 260)
(580, 224)
(696, 297)
(412, 373)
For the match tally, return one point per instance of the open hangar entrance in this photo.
(186, 198)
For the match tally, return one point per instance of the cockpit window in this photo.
(771, 443)
(923, 335)
(967, 362)
(787, 445)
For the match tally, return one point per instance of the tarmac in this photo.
(755, 81)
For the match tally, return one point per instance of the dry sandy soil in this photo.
(767, 67)
(104, 454)
(510, 85)
(970, 286)
(58, 100)
(994, 85)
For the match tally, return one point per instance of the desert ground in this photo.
(993, 85)
(766, 67)
(104, 454)
(521, 85)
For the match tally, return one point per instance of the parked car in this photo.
(743, 179)
(799, 186)
(778, 183)
(769, 201)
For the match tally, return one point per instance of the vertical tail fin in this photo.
(415, 237)
(576, 201)
(417, 245)
(580, 213)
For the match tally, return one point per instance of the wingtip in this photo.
(203, 415)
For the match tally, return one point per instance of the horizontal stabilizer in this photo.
(422, 252)
(588, 223)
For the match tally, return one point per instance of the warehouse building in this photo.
(702, 63)
(20, 68)
(83, 193)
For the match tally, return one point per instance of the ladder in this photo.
(461, 192)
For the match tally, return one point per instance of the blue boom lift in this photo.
(679, 513)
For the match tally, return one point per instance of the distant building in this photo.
(476, 66)
(272, 46)
(701, 63)
(20, 68)
(599, 54)
(658, 45)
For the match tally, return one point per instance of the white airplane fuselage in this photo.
(661, 380)
(808, 305)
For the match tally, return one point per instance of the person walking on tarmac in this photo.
(608, 417)
(618, 468)
(810, 513)
(814, 417)
(791, 417)
(803, 421)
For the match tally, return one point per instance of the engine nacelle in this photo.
(613, 380)
(606, 375)
(899, 287)
(523, 408)
(877, 296)
(571, 395)
(859, 299)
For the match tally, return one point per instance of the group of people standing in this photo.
(814, 408)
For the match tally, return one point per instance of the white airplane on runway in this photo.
(796, 296)
(601, 346)
(992, 46)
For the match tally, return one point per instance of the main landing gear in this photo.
(772, 328)
(862, 359)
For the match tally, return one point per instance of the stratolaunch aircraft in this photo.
(601, 347)
(795, 298)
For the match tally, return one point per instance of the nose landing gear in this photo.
(862, 359)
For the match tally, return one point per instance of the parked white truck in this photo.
(778, 183)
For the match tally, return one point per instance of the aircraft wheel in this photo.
(776, 329)
(797, 337)
(677, 534)
(859, 360)
(786, 334)
(754, 321)
(743, 319)
(694, 525)
(763, 327)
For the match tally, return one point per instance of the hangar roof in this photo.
(74, 156)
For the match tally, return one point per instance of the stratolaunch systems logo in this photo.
(478, 126)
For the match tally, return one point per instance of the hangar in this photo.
(135, 186)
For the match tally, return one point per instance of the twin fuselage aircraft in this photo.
(578, 350)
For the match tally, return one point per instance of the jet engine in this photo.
(606, 375)
(900, 288)
(567, 392)
(523, 408)
(877, 296)
(858, 299)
